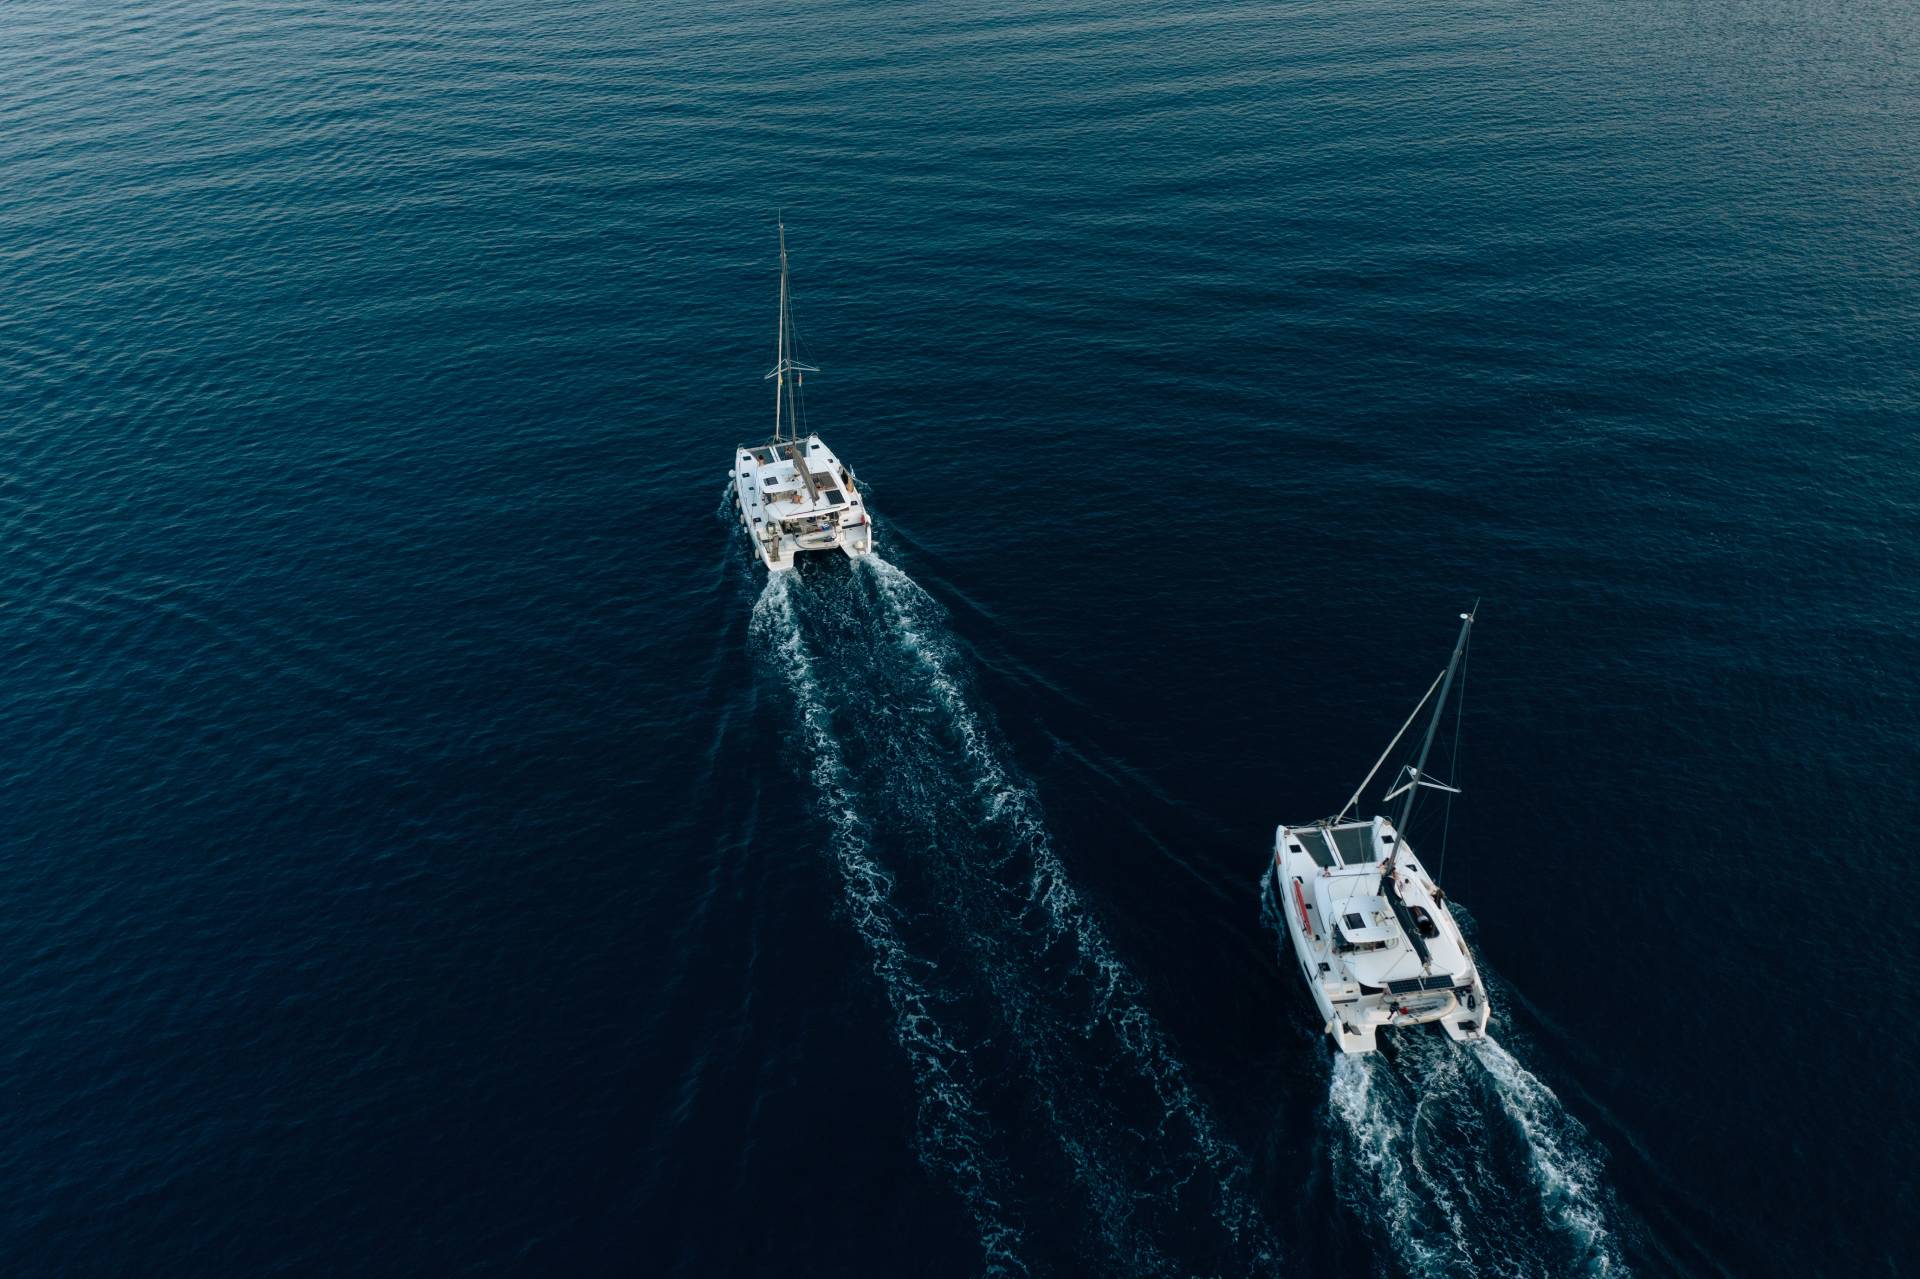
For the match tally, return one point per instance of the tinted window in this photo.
(1316, 846)
(1356, 844)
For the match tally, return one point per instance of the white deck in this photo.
(783, 514)
(1362, 969)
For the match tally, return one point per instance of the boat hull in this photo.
(1352, 1012)
(783, 519)
(1350, 1035)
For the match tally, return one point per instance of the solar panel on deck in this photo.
(1405, 986)
(1439, 983)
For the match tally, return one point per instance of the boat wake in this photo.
(1467, 1163)
(903, 759)
(950, 1126)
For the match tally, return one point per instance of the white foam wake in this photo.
(1383, 1177)
(1467, 1163)
(1567, 1168)
(1113, 1013)
(950, 1126)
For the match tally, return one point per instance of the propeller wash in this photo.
(1049, 1098)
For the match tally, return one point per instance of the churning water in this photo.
(430, 846)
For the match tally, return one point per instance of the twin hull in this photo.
(1402, 991)
(784, 512)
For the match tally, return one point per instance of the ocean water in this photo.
(431, 845)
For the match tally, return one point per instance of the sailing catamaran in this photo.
(1370, 925)
(791, 492)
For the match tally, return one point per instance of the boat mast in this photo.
(780, 346)
(784, 398)
(1416, 775)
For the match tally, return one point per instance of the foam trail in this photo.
(1465, 1171)
(1381, 1153)
(1569, 1173)
(950, 1125)
(1117, 1009)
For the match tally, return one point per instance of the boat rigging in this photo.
(792, 493)
(1369, 925)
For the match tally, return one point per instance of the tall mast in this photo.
(784, 363)
(1417, 775)
(1416, 778)
(780, 347)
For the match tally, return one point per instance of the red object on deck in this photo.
(1301, 897)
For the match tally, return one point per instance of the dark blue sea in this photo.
(429, 844)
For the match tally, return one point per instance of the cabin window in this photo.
(1316, 844)
(1355, 844)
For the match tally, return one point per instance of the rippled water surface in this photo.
(431, 845)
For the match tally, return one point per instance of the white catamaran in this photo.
(1370, 925)
(791, 492)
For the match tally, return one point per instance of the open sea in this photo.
(429, 844)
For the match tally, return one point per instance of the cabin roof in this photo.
(1365, 918)
(769, 472)
(1343, 891)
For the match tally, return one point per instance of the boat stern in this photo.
(794, 496)
(856, 538)
(1354, 1038)
(1469, 1020)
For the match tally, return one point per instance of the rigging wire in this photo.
(798, 399)
(1459, 716)
(1391, 745)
